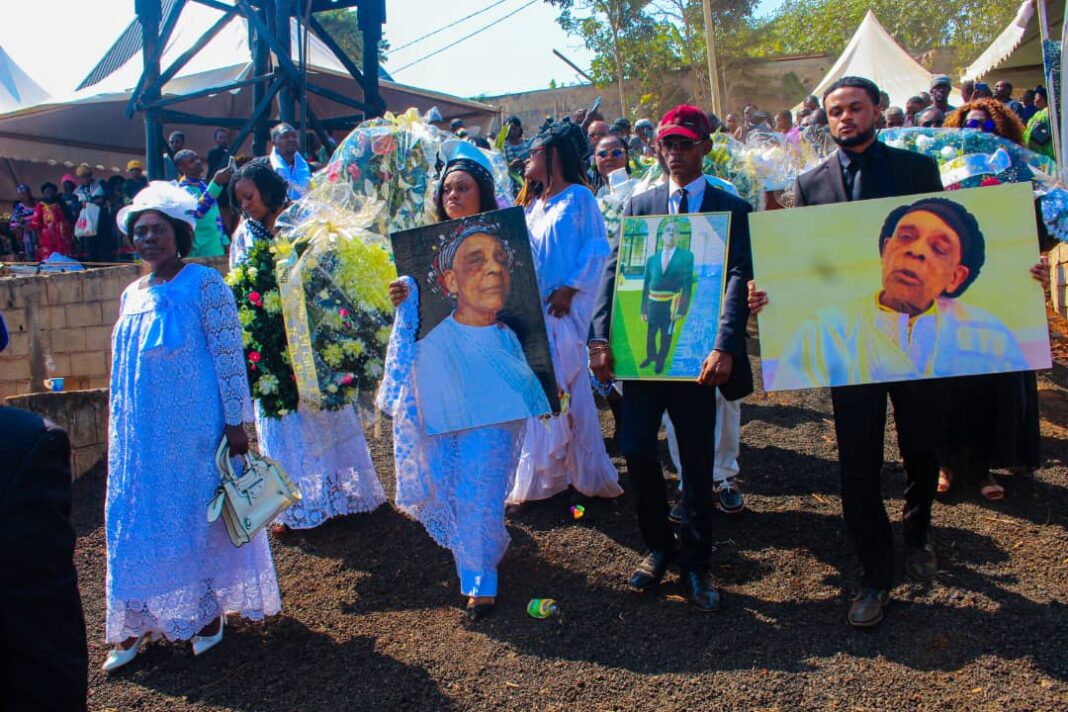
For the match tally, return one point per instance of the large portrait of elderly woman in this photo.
(482, 353)
(900, 289)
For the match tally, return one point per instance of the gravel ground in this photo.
(372, 616)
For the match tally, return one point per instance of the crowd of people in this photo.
(179, 379)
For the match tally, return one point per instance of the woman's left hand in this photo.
(1040, 272)
(237, 439)
(560, 301)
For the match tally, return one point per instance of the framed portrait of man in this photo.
(898, 289)
(668, 293)
(481, 350)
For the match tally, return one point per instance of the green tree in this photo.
(825, 26)
(343, 25)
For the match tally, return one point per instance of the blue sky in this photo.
(513, 55)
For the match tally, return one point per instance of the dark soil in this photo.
(372, 615)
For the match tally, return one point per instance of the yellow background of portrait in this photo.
(807, 258)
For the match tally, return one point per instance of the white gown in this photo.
(567, 237)
(455, 483)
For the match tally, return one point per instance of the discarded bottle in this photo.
(542, 608)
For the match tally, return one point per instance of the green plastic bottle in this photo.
(542, 608)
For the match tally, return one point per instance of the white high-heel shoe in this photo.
(118, 657)
(204, 643)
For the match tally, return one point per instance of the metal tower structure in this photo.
(277, 78)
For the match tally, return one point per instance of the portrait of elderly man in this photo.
(666, 291)
(470, 368)
(915, 326)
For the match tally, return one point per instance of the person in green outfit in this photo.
(1038, 137)
(209, 239)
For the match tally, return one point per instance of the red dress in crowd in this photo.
(54, 231)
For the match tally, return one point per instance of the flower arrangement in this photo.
(335, 277)
(390, 159)
(270, 373)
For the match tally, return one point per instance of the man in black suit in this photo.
(864, 168)
(665, 293)
(41, 624)
(683, 139)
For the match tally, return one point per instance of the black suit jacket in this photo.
(42, 630)
(890, 172)
(730, 337)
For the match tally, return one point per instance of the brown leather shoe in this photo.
(651, 570)
(867, 607)
(921, 562)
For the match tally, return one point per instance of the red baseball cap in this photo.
(685, 120)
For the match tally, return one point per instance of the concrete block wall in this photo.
(83, 414)
(60, 326)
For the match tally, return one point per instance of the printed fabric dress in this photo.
(324, 452)
(177, 378)
(454, 484)
(567, 237)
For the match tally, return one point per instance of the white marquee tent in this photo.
(1016, 54)
(42, 140)
(16, 87)
(873, 53)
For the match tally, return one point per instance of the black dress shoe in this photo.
(867, 607)
(697, 591)
(675, 515)
(921, 562)
(480, 610)
(651, 570)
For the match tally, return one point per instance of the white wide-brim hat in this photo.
(164, 197)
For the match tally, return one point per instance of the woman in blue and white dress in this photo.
(324, 452)
(178, 384)
(453, 476)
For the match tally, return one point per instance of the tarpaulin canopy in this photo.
(90, 126)
(1016, 54)
(872, 53)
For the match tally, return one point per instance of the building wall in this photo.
(772, 84)
(60, 326)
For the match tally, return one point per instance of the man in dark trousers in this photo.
(683, 139)
(665, 293)
(864, 168)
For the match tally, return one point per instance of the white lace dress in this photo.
(568, 239)
(454, 484)
(177, 378)
(324, 452)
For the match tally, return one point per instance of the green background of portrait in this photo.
(808, 258)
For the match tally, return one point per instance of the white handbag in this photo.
(88, 221)
(252, 501)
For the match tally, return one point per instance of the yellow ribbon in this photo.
(298, 333)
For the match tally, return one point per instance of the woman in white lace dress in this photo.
(454, 483)
(323, 451)
(570, 246)
(178, 384)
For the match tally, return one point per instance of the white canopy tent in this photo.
(1016, 54)
(43, 140)
(16, 87)
(872, 53)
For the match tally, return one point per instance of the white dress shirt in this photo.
(695, 195)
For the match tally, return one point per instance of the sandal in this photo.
(945, 480)
(991, 490)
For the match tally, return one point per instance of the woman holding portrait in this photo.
(453, 475)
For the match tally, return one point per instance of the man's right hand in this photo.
(757, 299)
(601, 362)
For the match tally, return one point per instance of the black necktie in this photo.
(684, 204)
(854, 169)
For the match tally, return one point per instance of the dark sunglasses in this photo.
(678, 144)
(615, 153)
(987, 125)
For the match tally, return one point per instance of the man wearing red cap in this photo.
(683, 141)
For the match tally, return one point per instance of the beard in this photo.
(857, 139)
